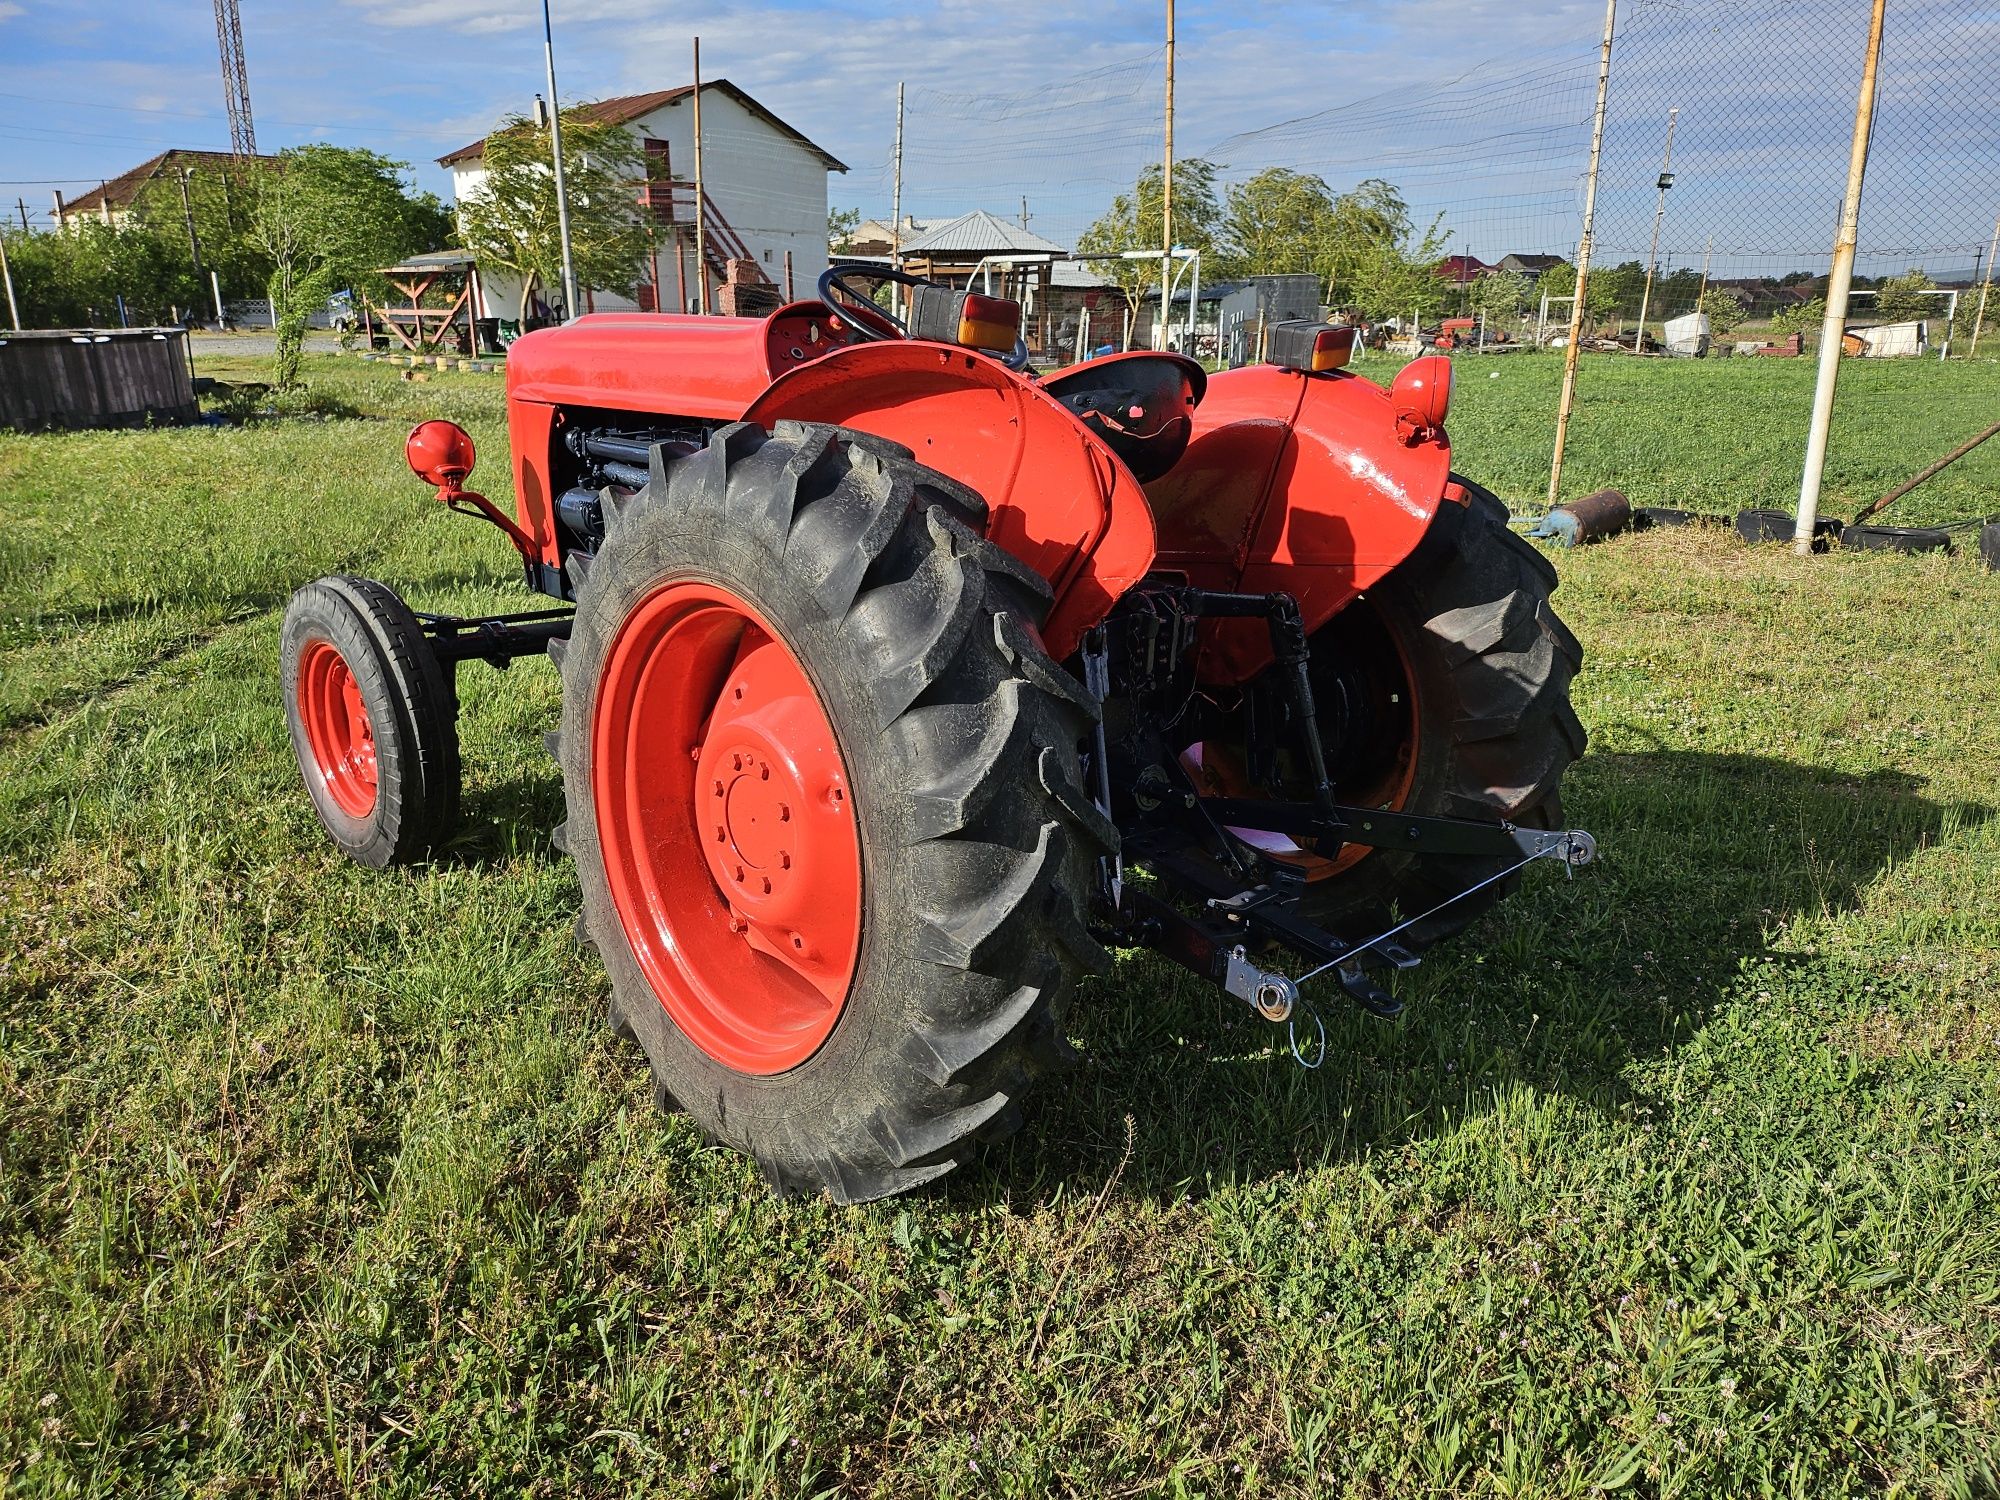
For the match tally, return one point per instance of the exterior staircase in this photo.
(671, 203)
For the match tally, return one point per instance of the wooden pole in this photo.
(1582, 260)
(7, 275)
(1985, 286)
(896, 197)
(1840, 278)
(1167, 191)
(700, 197)
(1921, 475)
(788, 276)
(896, 201)
(1659, 213)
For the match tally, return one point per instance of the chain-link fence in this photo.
(1490, 164)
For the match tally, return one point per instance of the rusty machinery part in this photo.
(939, 314)
(373, 718)
(1596, 516)
(813, 622)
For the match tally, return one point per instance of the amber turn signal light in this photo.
(969, 319)
(1305, 345)
(988, 322)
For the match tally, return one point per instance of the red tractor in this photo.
(901, 683)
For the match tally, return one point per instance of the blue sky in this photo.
(1478, 108)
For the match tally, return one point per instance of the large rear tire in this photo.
(824, 802)
(1488, 664)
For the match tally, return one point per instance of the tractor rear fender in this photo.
(1295, 482)
(1058, 499)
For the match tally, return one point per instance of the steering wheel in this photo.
(870, 320)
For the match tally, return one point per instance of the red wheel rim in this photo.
(339, 736)
(727, 827)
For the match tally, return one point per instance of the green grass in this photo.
(1680, 1178)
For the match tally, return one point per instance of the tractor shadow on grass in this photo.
(1705, 859)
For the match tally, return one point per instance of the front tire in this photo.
(823, 797)
(373, 720)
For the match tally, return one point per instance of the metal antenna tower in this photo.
(235, 78)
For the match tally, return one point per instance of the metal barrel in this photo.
(1590, 519)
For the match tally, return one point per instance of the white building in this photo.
(765, 184)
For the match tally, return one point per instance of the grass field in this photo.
(1680, 1178)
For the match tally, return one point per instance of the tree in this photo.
(1600, 298)
(1392, 277)
(1369, 215)
(1801, 317)
(1900, 299)
(1502, 295)
(1724, 308)
(1276, 222)
(840, 226)
(510, 219)
(1135, 222)
(222, 198)
(328, 217)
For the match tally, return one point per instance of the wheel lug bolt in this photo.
(764, 774)
(719, 789)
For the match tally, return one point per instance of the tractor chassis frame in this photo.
(1249, 905)
(493, 639)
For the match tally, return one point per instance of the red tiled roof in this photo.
(629, 107)
(122, 189)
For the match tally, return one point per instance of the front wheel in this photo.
(822, 784)
(373, 720)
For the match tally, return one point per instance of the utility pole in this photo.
(555, 151)
(1024, 213)
(1659, 213)
(700, 198)
(896, 206)
(1702, 291)
(1985, 286)
(1167, 191)
(194, 242)
(1582, 259)
(1839, 279)
(22, 205)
